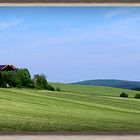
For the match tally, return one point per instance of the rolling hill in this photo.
(111, 83)
(74, 108)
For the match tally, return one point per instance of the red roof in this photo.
(7, 67)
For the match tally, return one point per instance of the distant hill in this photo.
(111, 83)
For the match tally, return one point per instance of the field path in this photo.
(70, 137)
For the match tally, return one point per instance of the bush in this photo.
(123, 94)
(57, 89)
(40, 81)
(137, 96)
(19, 78)
(49, 87)
(9, 79)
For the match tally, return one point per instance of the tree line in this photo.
(21, 78)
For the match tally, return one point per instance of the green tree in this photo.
(10, 78)
(40, 81)
(24, 77)
(4, 79)
(1, 80)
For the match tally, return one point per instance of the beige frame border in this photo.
(71, 4)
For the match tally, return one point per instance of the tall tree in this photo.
(41, 81)
(24, 76)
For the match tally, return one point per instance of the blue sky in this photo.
(71, 44)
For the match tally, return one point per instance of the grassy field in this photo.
(74, 108)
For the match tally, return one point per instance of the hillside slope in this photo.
(111, 83)
(98, 109)
(94, 90)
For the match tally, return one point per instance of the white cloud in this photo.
(123, 11)
(5, 24)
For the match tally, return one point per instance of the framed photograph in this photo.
(70, 72)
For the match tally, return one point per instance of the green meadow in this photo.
(73, 108)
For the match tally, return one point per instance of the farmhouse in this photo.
(7, 68)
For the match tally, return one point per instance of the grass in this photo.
(96, 90)
(74, 108)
